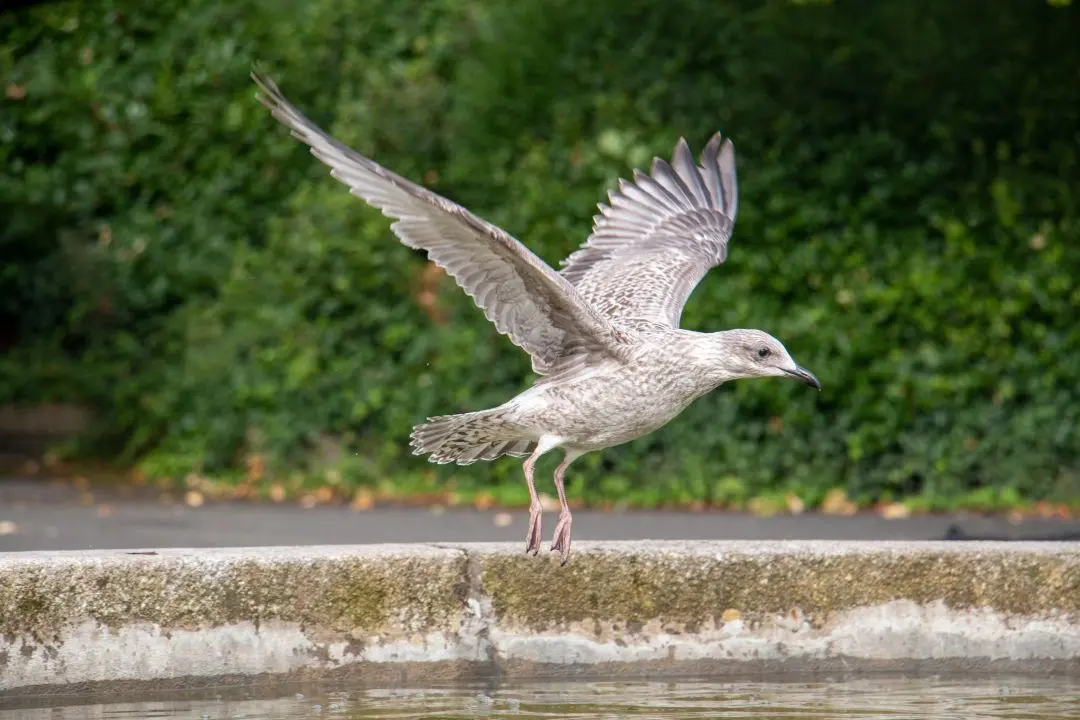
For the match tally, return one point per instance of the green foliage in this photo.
(908, 225)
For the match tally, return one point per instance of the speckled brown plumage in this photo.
(603, 333)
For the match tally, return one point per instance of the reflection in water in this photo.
(887, 698)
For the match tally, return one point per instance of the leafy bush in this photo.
(908, 225)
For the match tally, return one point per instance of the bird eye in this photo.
(763, 352)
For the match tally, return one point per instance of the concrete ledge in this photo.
(119, 621)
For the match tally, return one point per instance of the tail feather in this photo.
(468, 437)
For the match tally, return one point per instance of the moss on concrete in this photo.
(419, 589)
(628, 586)
(395, 593)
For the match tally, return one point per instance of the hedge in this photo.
(908, 226)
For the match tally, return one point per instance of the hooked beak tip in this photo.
(806, 376)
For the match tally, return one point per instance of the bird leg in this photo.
(532, 537)
(560, 541)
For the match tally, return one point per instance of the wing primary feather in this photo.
(709, 162)
(664, 175)
(650, 187)
(727, 177)
(683, 162)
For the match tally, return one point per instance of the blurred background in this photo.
(188, 301)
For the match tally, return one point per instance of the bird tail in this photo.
(468, 437)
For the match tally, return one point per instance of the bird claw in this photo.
(560, 541)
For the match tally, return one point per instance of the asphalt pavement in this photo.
(40, 515)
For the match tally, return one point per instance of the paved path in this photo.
(35, 515)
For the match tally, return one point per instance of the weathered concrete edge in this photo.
(422, 613)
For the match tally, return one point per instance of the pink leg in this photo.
(532, 537)
(560, 541)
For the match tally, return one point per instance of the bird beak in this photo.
(801, 373)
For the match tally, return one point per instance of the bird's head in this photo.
(753, 353)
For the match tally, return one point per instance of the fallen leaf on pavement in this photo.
(894, 511)
(362, 500)
(836, 502)
(795, 504)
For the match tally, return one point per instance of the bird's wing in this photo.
(538, 309)
(658, 236)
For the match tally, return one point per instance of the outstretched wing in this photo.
(658, 236)
(538, 309)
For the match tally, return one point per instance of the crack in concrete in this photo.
(478, 611)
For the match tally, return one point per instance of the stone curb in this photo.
(119, 622)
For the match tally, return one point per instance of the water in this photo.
(885, 698)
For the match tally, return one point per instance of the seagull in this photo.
(602, 332)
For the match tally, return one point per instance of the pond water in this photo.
(887, 698)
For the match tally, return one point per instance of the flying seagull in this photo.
(603, 332)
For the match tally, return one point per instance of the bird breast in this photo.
(613, 404)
